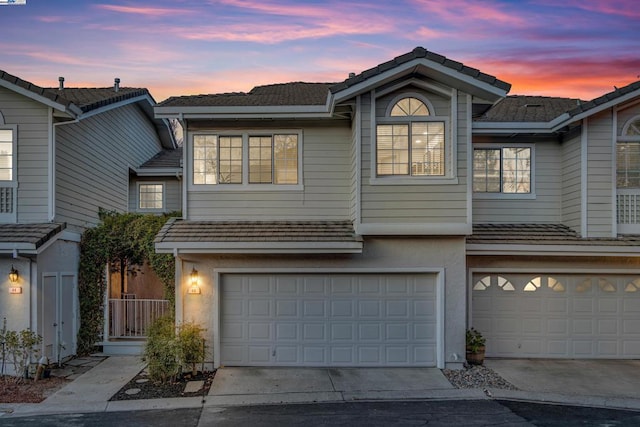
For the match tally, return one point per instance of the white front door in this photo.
(328, 320)
(59, 315)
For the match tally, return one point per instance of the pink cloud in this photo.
(459, 12)
(627, 8)
(584, 78)
(145, 11)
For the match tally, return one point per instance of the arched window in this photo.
(628, 155)
(409, 142)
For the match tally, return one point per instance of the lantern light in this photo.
(13, 275)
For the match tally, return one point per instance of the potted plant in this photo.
(475, 347)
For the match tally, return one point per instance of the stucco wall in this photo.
(380, 254)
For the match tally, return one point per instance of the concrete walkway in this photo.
(592, 383)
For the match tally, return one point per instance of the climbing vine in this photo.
(121, 240)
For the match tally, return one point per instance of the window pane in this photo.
(409, 107)
(486, 171)
(628, 165)
(6, 155)
(230, 160)
(427, 149)
(634, 129)
(392, 150)
(516, 170)
(151, 196)
(260, 163)
(205, 159)
(285, 153)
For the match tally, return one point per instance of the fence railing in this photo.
(130, 318)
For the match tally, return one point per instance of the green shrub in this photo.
(191, 348)
(161, 350)
(20, 346)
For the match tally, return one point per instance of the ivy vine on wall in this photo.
(120, 240)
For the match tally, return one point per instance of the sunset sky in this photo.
(572, 48)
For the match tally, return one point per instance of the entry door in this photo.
(59, 314)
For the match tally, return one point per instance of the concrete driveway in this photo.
(604, 378)
(237, 386)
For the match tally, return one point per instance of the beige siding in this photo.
(572, 183)
(92, 163)
(172, 193)
(31, 117)
(600, 174)
(327, 174)
(545, 208)
(423, 203)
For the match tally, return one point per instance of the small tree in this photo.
(161, 350)
(20, 346)
(191, 349)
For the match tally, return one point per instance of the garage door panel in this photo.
(342, 308)
(328, 320)
(260, 308)
(560, 315)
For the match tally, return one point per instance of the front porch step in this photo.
(122, 347)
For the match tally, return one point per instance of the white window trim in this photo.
(245, 186)
(623, 137)
(507, 196)
(13, 183)
(164, 196)
(449, 178)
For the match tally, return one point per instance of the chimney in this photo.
(116, 85)
(61, 80)
(352, 75)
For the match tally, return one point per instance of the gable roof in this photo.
(417, 54)
(518, 108)
(295, 93)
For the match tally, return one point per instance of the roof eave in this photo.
(261, 247)
(70, 109)
(568, 118)
(511, 127)
(158, 172)
(567, 249)
(245, 112)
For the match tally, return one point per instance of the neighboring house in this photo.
(370, 222)
(64, 154)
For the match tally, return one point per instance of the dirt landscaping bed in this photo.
(29, 391)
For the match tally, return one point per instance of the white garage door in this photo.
(328, 320)
(558, 315)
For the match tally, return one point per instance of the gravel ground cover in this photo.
(477, 377)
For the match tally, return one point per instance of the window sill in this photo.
(504, 196)
(244, 187)
(402, 180)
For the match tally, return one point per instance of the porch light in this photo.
(13, 275)
(195, 282)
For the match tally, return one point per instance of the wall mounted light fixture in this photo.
(194, 278)
(13, 275)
